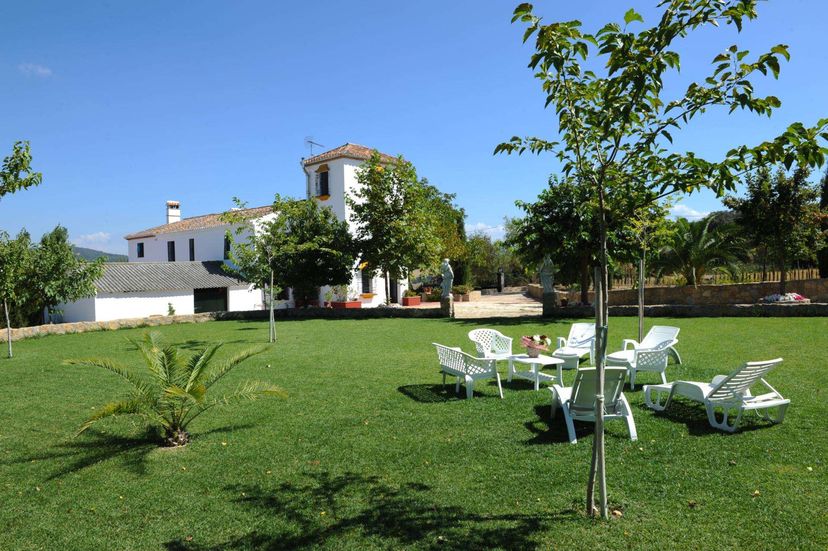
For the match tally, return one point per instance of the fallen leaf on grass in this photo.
(617, 514)
(756, 493)
(692, 503)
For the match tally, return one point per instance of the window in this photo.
(171, 251)
(226, 248)
(140, 248)
(192, 249)
(322, 187)
(367, 276)
(323, 184)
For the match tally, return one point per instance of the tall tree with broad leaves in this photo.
(395, 230)
(302, 246)
(780, 212)
(17, 172)
(822, 254)
(58, 274)
(15, 270)
(615, 126)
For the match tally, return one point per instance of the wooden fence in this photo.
(629, 279)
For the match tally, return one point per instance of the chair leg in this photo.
(457, 385)
(648, 399)
(723, 424)
(632, 378)
(570, 426)
(628, 417)
(499, 387)
(674, 353)
(469, 387)
(510, 371)
(663, 377)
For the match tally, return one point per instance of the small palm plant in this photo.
(175, 393)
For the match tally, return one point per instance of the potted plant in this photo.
(461, 292)
(342, 300)
(535, 344)
(411, 298)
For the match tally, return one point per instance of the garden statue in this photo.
(448, 277)
(547, 275)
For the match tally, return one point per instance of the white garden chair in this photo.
(642, 359)
(578, 401)
(579, 343)
(726, 392)
(491, 344)
(466, 368)
(656, 335)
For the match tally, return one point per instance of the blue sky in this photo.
(128, 104)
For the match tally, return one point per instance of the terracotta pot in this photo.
(346, 305)
(411, 301)
(532, 352)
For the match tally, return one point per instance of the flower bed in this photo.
(786, 298)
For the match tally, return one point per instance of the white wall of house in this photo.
(112, 306)
(80, 310)
(244, 298)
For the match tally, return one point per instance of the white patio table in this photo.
(535, 365)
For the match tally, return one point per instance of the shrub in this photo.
(176, 390)
(462, 289)
(411, 293)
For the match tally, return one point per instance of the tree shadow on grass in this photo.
(360, 510)
(437, 393)
(95, 446)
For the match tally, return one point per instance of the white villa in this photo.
(177, 265)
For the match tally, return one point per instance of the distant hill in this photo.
(92, 254)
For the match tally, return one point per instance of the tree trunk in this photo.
(271, 329)
(783, 277)
(585, 278)
(598, 467)
(641, 279)
(387, 288)
(8, 325)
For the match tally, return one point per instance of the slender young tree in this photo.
(15, 269)
(17, 173)
(615, 126)
(822, 254)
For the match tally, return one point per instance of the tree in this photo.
(563, 223)
(17, 173)
(301, 246)
(652, 230)
(615, 127)
(58, 275)
(15, 269)
(395, 232)
(696, 249)
(449, 226)
(822, 254)
(176, 390)
(780, 213)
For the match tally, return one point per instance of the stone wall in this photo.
(281, 314)
(699, 311)
(737, 293)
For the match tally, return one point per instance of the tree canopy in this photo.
(17, 173)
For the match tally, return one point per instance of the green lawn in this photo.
(370, 451)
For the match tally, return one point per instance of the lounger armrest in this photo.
(561, 342)
(776, 392)
(635, 344)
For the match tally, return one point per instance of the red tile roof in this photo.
(349, 151)
(198, 222)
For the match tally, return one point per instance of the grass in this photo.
(370, 451)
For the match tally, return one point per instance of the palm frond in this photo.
(117, 368)
(198, 362)
(226, 367)
(132, 406)
(250, 390)
(149, 347)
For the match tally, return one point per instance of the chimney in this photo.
(173, 211)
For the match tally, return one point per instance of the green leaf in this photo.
(631, 16)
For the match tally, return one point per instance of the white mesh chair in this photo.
(656, 335)
(653, 360)
(466, 368)
(491, 344)
(578, 401)
(580, 342)
(726, 393)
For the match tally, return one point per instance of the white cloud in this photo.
(495, 232)
(96, 239)
(683, 211)
(35, 70)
